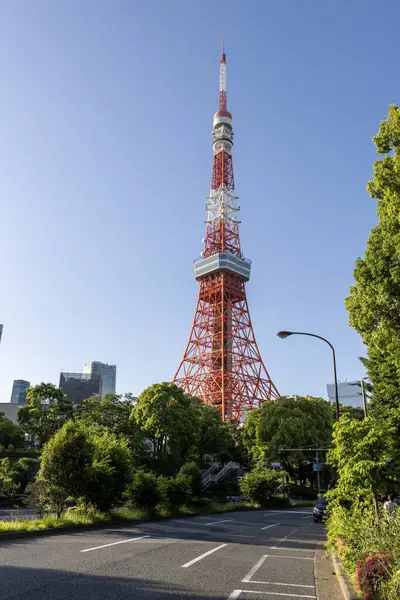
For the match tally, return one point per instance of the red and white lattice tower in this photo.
(222, 364)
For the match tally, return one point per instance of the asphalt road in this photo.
(246, 555)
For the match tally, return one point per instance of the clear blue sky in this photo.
(105, 163)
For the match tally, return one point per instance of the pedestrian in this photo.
(390, 507)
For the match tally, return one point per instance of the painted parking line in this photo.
(236, 593)
(255, 568)
(296, 585)
(293, 549)
(286, 537)
(285, 556)
(269, 526)
(289, 512)
(116, 543)
(217, 522)
(195, 560)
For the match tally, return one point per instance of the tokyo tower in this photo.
(222, 364)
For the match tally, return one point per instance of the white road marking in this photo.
(254, 569)
(116, 543)
(195, 560)
(216, 522)
(310, 541)
(294, 549)
(286, 537)
(309, 517)
(268, 526)
(273, 594)
(284, 584)
(290, 512)
(283, 556)
(235, 594)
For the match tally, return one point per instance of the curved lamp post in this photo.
(285, 334)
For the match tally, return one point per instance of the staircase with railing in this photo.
(210, 478)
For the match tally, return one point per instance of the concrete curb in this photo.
(345, 584)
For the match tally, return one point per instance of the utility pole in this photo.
(318, 481)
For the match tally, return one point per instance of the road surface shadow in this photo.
(45, 584)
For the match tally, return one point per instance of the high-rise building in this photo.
(18, 394)
(79, 386)
(349, 392)
(107, 372)
(222, 364)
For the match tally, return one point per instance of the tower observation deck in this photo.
(222, 364)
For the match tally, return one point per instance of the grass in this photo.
(303, 503)
(79, 518)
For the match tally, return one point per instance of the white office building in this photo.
(350, 393)
(108, 375)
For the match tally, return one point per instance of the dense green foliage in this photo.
(373, 304)
(366, 539)
(10, 434)
(13, 477)
(111, 411)
(288, 423)
(192, 471)
(260, 485)
(46, 409)
(179, 428)
(88, 462)
(369, 551)
(364, 455)
(175, 491)
(143, 491)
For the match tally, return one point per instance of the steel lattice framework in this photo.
(222, 364)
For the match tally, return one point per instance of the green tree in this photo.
(366, 460)
(215, 437)
(43, 495)
(287, 423)
(373, 304)
(9, 433)
(9, 484)
(13, 476)
(88, 462)
(67, 460)
(112, 411)
(259, 485)
(143, 491)
(111, 469)
(46, 407)
(176, 491)
(193, 472)
(169, 420)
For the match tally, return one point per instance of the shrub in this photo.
(176, 491)
(193, 472)
(143, 491)
(44, 495)
(87, 462)
(259, 485)
(370, 552)
(370, 573)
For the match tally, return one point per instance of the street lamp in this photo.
(284, 334)
(71, 412)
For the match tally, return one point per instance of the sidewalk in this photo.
(326, 580)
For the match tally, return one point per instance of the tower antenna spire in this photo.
(222, 78)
